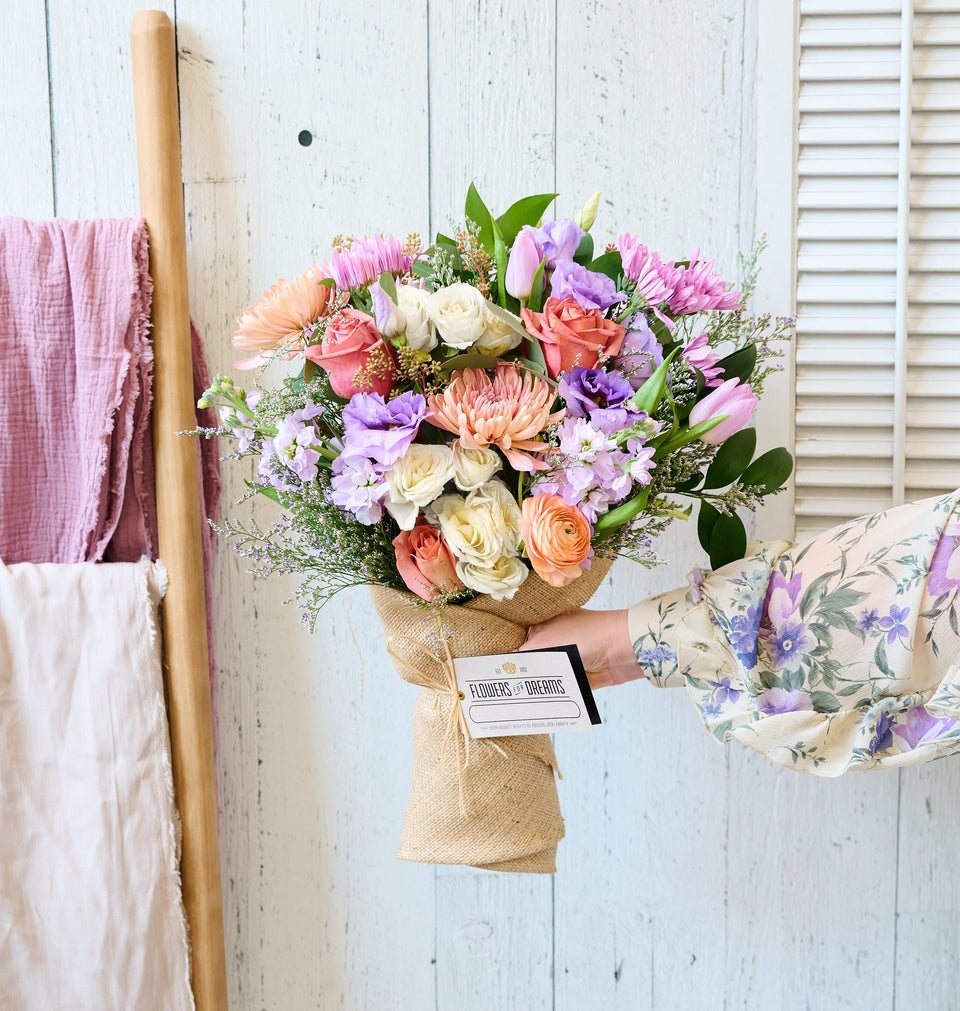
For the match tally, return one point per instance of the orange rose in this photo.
(571, 335)
(354, 355)
(557, 538)
(425, 561)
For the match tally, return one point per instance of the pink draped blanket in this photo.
(76, 386)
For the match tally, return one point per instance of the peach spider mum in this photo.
(282, 314)
(508, 411)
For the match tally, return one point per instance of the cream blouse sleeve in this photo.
(839, 654)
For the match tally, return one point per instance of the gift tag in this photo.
(511, 694)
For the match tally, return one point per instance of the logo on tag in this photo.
(510, 668)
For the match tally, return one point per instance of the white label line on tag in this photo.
(496, 712)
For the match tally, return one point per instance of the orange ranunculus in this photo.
(557, 538)
(571, 335)
(425, 562)
(352, 345)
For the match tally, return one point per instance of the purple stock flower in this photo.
(590, 289)
(558, 240)
(381, 430)
(640, 352)
(945, 564)
(921, 726)
(782, 700)
(295, 444)
(893, 624)
(586, 390)
(882, 735)
(358, 486)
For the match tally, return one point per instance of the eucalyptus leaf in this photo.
(659, 329)
(476, 211)
(728, 540)
(309, 369)
(740, 364)
(706, 521)
(770, 471)
(511, 319)
(389, 285)
(526, 211)
(733, 457)
(584, 253)
(471, 360)
(610, 264)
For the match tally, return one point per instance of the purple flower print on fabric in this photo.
(920, 726)
(725, 693)
(945, 564)
(744, 629)
(868, 621)
(883, 734)
(893, 624)
(782, 700)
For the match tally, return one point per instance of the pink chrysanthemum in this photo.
(508, 411)
(643, 266)
(701, 356)
(283, 313)
(365, 260)
(697, 288)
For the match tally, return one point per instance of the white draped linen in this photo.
(90, 906)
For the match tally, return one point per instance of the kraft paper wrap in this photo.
(490, 802)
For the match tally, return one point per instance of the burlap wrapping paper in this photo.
(490, 802)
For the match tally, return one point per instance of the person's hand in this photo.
(602, 638)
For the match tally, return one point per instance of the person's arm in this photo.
(603, 639)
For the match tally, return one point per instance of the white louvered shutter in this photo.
(876, 271)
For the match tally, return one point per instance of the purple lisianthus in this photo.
(882, 738)
(381, 430)
(920, 726)
(358, 485)
(640, 353)
(590, 289)
(945, 564)
(558, 240)
(587, 390)
(893, 623)
(782, 700)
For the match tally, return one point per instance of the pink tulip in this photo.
(524, 260)
(730, 398)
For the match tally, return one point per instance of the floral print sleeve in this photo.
(843, 653)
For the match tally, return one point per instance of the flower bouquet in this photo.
(476, 428)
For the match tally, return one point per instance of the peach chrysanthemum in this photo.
(508, 411)
(282, 314)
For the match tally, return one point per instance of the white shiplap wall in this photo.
(691, 877)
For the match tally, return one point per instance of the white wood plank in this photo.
(94, 138)
(928, 925)
(26, 159)
(318, 910)
(491, 121)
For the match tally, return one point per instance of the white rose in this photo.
(416, 479)
(500, 580)
(460, 314)
(499, 337)
(474, 466)
(496, 496)
(421, 335)
(472, 530)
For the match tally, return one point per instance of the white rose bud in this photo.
(499, 337)
(471, 530)
(460, 314)
(474, 466)
(500, 580)
(420, 334)
(416, 479)
(503, 506)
